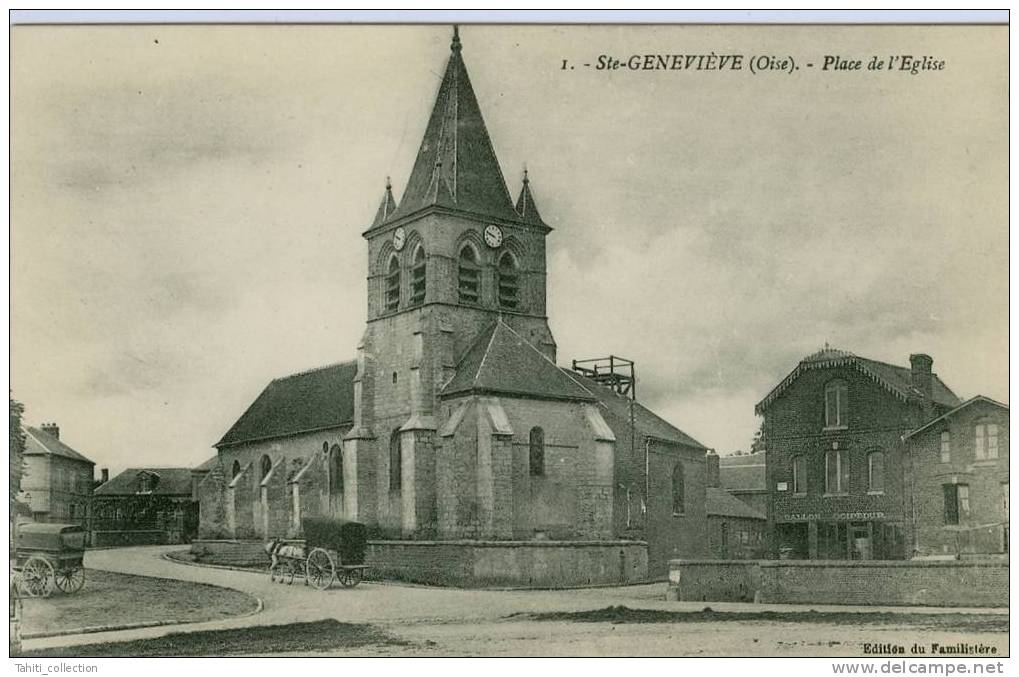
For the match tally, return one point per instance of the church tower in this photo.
(445, 263)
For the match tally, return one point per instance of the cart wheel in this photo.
(37, 577)
(70, 580)
(319, 569)
(349, 577)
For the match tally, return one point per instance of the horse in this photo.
(282, 553)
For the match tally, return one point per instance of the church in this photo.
(471, 455)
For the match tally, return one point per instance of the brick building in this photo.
(57, 483)
(837, 461)
(743, 476)
(144, 506)
(736, 530)
(957, 476)
(454, 422)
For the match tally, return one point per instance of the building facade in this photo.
(957, 477)
(454, 421)
(57, 482)
(744, 476)
(736, 530)
(836, 460)
(144, 506)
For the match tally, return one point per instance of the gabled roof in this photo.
(169, 482)
(743, 473)
(527, 208)
(503, 361)
(647, 423)
(721, 503)
(953, 412)
(456, 165)
(39, 443)
(207, 465)
(316, 399)
(896, 380)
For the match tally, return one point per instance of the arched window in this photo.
(876, 471)
(236, 470)
(395, 462)
(536, 453)
(469, 275)
(417, 277)
(509, 281)
(836, 472)
(799, 474)
(836, 405)
(336, 469)
(986, 440)
(392, 297)
(677, 490)
(264, 466)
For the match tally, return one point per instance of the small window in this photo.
(236, 470)
(946, 447)
(836, 405)
(264, 466)
(956, 502)
(509, 282)
(336, 469)
(536, 453)
(392, 296)
(395, 462)
(469, 276)
(417, 277)
(799, 474)
(677, 490)
(876, 471)
(986, 440)
(836, 472)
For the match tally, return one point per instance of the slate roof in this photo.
(895, 379)
(723, 504)
(386, 207)
(456, 166)
(743, 473)
(172, 482)
(646, 421)
(310, 400)
(38, 442)
(207, 465)
(526, 207)
(503, 361)
(953, 412)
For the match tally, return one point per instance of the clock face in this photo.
(493, 236)
(399, 238)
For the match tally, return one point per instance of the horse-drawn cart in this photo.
(49, 556)
(332, 549)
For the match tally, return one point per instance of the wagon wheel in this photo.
(70, 580)
(349, 577)
(37, 577)
(319, 569)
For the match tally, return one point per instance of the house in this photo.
(454, 425)
(743, 476)
(837, 463)
(57, 482)
(957, 477)
(736, 530)
(145, 506)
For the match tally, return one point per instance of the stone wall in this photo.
(893, 583)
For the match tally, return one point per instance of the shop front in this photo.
(841, 536)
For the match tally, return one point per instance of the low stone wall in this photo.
(539, 564)
(230, 552)
(107, 539)
(894, 583)
(714, 580)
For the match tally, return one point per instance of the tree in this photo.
(759, 444)
(17, 449)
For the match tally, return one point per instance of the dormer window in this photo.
(392, 295)
(469, 276)
(417, 277)
(509, 282)
(836, 405)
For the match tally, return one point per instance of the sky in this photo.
(187, 204)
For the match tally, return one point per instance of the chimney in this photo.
(105, 472)
(712, 479)
(920, 371)
(51, 429)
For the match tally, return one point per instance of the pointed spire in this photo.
(456, 166)
(526, 206)
(387, 207)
